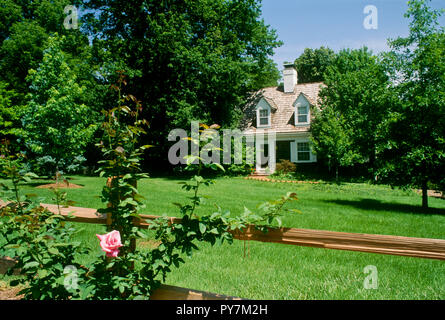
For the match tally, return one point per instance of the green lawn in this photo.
(276, 271)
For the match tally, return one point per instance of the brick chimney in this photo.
(290, 77)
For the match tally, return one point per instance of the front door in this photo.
(264, 155)
(283, 150)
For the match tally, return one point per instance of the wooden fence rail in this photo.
(372, 243)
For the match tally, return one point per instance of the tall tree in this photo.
(414, 153)
(24, 30)
(312, 64)
(56, 123)
(331, 136)
(191, 59)
(356, 87)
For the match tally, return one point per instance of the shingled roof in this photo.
(282, 116)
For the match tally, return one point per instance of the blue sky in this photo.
(334, 23)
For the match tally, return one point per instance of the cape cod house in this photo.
(282, 118)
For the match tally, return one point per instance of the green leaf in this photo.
(85, 292)
(53, 250)
(141, 234)
(42, 273)
(202, 227)
(31, 175)
(218, 166)
(32, 264)
(214, 231)
(127, 176)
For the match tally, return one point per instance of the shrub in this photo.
(285, 166)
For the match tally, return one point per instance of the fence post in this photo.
(109, 215)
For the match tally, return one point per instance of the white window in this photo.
(303, 151)
(302, 114)
(263, 117)
(302, 110)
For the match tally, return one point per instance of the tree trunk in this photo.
(57, 173)
(372, 162)
(372, 158)
(336, 173)
(424, 194)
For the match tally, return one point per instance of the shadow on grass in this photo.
(169, 177)
(183, 177)
(377, 205)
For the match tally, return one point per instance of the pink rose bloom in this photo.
(110, 243)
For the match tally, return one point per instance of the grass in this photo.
(276, 271)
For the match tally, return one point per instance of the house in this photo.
(279, 119)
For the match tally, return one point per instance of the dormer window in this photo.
(302, 114)
(264, 117)
(302, 110)
(263, 114)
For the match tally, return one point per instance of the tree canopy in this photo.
(312, 64)
(24, 28)
(189, 59)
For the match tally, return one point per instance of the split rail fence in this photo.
(371, 243)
